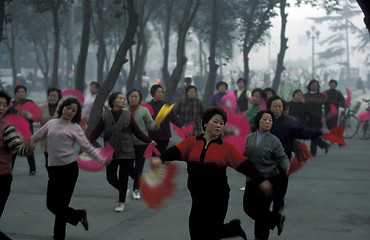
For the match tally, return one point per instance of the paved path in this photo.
(328, 199)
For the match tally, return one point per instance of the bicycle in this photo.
(364, 128)
(349, 120)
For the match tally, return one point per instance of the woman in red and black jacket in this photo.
(207, 158)
(315, 100)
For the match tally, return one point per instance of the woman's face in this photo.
(119, 102)
(298, 97)
(277, 108)
(134, 98)
(158, 95)
(3, 106)
(265, 123)
(221, 88)
(21, 94)
(314, 87)
(191, 93)
(70, 111)
(93, 89)
(215, 126)
(53, 97)
(256, 98)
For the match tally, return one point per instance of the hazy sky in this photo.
(299, 48)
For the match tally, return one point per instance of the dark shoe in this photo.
(84, 221)
(32, 173)
(327, 148)
(238, 229)
(280, 225)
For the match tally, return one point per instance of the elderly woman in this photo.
(190, 109)
(62, 133)
(10, 143)
(116, 126)
(20, 92)
(49, 111)
(163, 134)
(258, 95)
(265, 151)
(207, 157)
(315, 100)
(145, 122)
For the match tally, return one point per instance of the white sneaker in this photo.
(242, 189)
(120, 207)
(136, 194)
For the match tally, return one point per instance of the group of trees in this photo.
(38, 29)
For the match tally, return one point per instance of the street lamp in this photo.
(313, 34)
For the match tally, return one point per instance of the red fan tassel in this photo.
(33, 111)
(349, 97)
(20, 123)
(364, 115)
(74, 93)
(302, 153)
(186, 131)
(294, 166)
(229, 100)
(333, 110)
(335, 135)
(149, 108)
(158, 185)
(149, 151)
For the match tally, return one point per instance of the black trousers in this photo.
(61, 184)
(119, 181)
(30, 159)
(316, 123)
(257, 206)
(207, 217)
(5, 187)
(137, 167)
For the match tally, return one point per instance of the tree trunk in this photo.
(181, 59)
(283, 47)
(212, 56)
(55, 10)
(2, 18)
(165, 74)
(81, 65)
(120, 59)
(101, 53)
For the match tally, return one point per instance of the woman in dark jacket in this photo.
(116, 125)
(207, 157)
(315, 101)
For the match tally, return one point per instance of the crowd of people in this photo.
(275, 126)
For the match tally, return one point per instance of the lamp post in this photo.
(313, 34)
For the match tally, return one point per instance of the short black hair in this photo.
(333, 81)
(268, 89)
(259, 115)
(188, 88)
(296, 91)
(154, 88)
(241, 80)
(53, 89)
(112, 97)
(96, 84)
(67, 102)
(262, 93)
(16, 89)
(309, 85)
(210, 112)
(6, 96)
(221, 83)
(134, 90)
(271, 99)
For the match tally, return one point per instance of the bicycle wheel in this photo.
(363, 130)
(350, 126)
